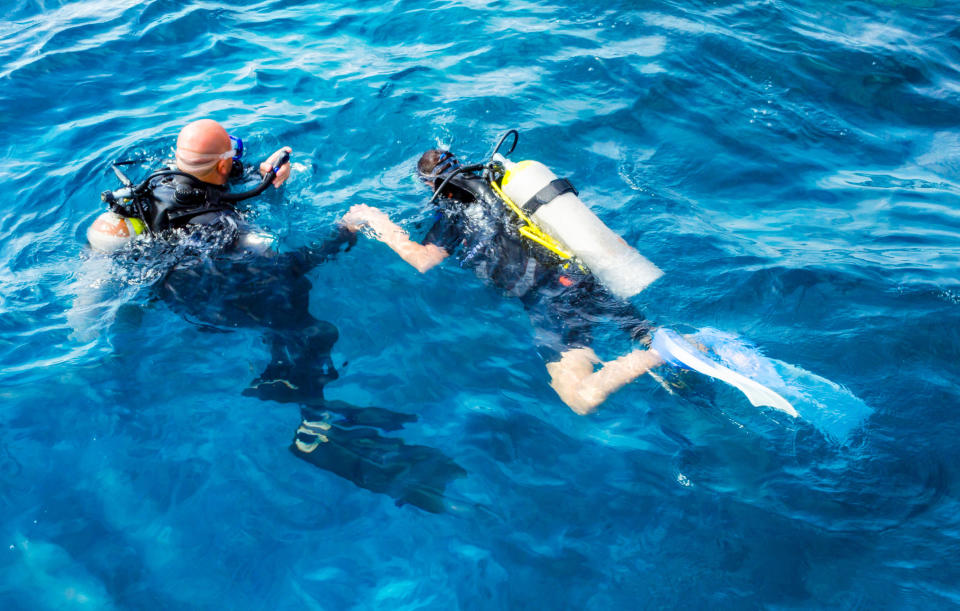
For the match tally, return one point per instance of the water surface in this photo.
(792, 167)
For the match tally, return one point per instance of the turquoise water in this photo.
(792, 167)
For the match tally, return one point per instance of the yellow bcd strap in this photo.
(529, 230)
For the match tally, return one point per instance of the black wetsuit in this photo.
(563, 302)
(221, 284)
(177, 201)
(220, 281)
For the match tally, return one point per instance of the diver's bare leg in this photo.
(583, 389)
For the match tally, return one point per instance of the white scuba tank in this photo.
(110, 232)
(623, 270)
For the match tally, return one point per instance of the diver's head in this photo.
(436, 163)
(206, 151)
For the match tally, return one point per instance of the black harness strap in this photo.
(547, 194)
(183, 217)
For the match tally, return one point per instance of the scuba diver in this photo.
(226, 274)
(526, 232)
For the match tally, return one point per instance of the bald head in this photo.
(201, 146)
(205, 136)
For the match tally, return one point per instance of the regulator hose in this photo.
(227, 197)
(460, 170)
(516, 139)
(267, 179)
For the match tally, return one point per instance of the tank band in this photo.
(544, 196)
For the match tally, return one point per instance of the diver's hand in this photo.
(268, 165)
(362, 215)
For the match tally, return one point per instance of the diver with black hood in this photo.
(501, 245)
(526, 232)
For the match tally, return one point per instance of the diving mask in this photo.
(448, 161)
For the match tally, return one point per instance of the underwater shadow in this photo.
(272, 294)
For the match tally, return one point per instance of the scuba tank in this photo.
(555, 207)
(111, 231)
(550, 213)
(119, 225)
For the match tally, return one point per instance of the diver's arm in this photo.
(421, 256)
(305, 258)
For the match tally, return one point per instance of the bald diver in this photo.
(225, 273)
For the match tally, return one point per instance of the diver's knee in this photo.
(580, 404)
(570, 379)
(575, 363)
(580, 397)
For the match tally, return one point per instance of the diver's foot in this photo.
(299, 388)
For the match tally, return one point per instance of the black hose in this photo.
(516, 139)
(267, 179)
(228, 197)
(264, 184)
(461, 169)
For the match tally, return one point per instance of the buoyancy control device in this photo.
(555, 206)
(551, 213)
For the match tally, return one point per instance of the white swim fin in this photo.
(673, 348)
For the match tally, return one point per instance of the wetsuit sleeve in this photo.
(446, 232)
(304, 259)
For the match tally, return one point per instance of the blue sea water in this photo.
(793, 167)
